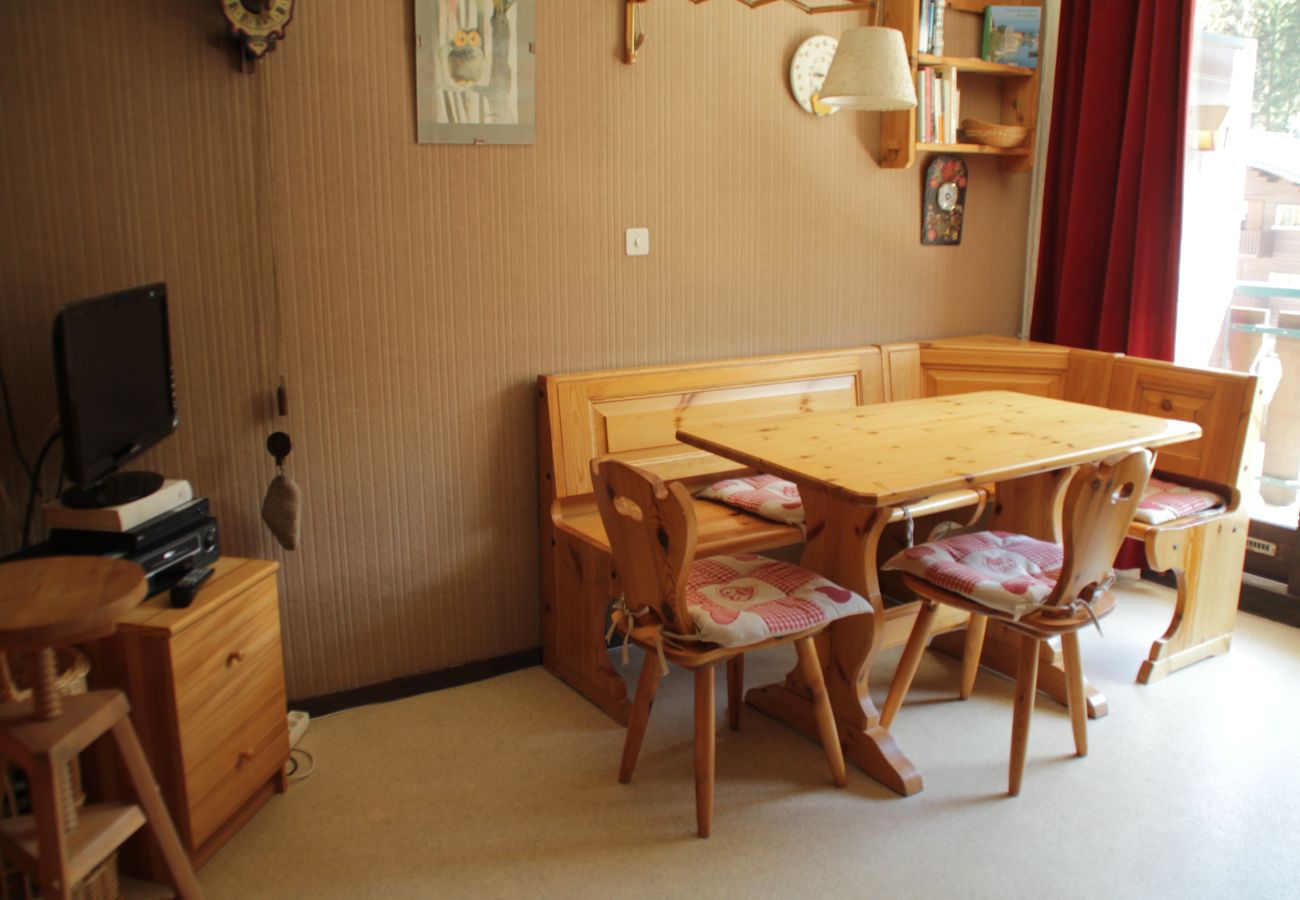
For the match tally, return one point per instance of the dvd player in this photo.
(166, 547)
(146, 534)
(165, 563)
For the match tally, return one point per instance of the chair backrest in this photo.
(1099, 506)
(652, 534)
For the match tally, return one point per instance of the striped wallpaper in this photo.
(410, 294)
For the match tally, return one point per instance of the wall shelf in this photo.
(973, 64)
(973, 149)
(1016, 87)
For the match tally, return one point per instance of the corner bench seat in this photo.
(722, 529)
(634, 414)
(1164, 501)
(1205, 551)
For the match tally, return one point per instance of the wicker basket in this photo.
(101, 883)
(993, 135)
(73, 668)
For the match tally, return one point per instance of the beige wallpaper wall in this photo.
(411, 294)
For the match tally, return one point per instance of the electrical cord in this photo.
(34, 487)
(11, 510)
(13, 429)
(291, 774)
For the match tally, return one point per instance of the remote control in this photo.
(183, 590)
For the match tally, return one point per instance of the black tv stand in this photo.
(113, 490)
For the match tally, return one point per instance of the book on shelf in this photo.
(920, 105)
(950, 107)
(936, 27)
(955, 110)
(926, 105)
(938, 105)
(929, 37)
(1011, 35)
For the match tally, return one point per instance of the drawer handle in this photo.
(1166, 404)
(237, 656)
(244, 757)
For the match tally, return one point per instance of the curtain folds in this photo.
(1112, 200)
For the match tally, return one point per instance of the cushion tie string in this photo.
(620, 606)
(911, 526)
(1094, 595)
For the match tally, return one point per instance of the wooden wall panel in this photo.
(411, 294)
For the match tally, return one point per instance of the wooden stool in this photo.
(63, 600)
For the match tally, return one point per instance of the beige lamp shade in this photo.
(870, 71)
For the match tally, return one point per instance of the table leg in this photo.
(841, 544)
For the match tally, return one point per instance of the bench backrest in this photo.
(1221, 402)
(988, 363)
(634, 414)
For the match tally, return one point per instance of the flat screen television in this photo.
(113, 368)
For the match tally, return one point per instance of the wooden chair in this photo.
(1039, 589)
(66, 600)
(697, 613)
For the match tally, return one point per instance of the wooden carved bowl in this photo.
(993, 135)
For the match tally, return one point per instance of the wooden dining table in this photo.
(855, 467)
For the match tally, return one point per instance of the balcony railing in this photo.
(1264, 338)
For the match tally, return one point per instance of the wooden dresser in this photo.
(206, 686)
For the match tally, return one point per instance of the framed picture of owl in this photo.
(475, 71)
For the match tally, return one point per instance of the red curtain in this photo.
(1112, 204)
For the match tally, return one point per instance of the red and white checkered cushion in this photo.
(764, 495)
(744, 599)
(1164, 501)
(1007, 572)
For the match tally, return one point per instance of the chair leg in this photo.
(735, 689)
(160, 822)
(51, 835)
(704, 750)
(908, 663)
(970, 658)
(1026, 690)
(1076, 701)
(639, 715)
(811, 669)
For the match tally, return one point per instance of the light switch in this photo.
(638, 242)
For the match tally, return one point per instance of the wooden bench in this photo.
(634, 415)
(1204, 552)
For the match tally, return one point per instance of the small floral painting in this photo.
(474, 71)
(943, 201)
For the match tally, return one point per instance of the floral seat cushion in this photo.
(1164, 501)
(763, 495)
(744, 599)
(1009, 573)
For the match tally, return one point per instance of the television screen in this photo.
(114, 373)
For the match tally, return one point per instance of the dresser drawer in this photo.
(244, 758)
(206, 685)
(226, 671)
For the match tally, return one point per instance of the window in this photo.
(1239, 284)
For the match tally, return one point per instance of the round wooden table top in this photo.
(64, 598)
